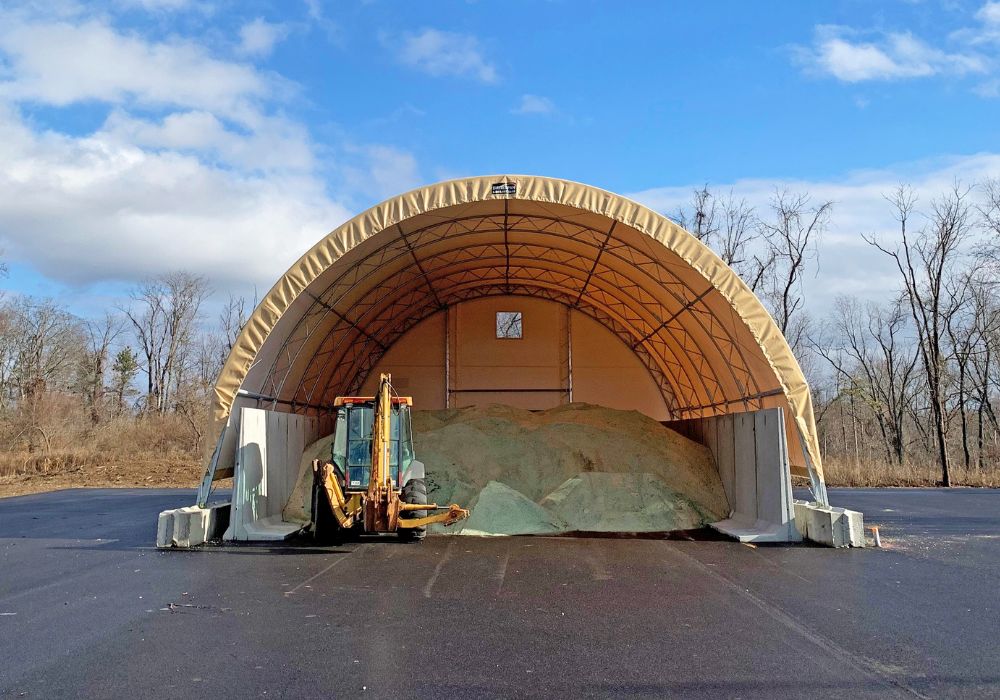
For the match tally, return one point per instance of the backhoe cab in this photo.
(372, 483)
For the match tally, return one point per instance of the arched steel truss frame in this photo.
(404, 277)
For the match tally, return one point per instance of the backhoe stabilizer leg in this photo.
(449, 517)
(335, 496)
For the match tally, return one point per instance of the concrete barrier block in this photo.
(801, 518)
(165, 529)
(853, 524)
(191, 526)
(821, 525)
(218, 521)
(834, 527)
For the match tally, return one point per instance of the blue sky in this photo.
(227, 137)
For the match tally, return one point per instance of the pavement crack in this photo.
(180, 607)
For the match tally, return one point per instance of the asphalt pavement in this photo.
(88, 608)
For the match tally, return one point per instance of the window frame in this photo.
(519, 317)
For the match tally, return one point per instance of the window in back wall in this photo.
(509, 324)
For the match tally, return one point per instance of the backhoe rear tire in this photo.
(414, 491)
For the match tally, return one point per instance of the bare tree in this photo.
(868, 351)
(700, 220)
(94, 366)
(962, 332)
(232, 318)
(792, 235)
(989, 211)
(926, 262)
(984, 332)
(46, 342)
(210, 355)
(163, 316)
(737, 242)
(47, 346)
(9, 343)
(729, 226)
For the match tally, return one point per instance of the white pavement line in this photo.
(437, 569)
(501, 574)
(788, 572)
(316, 576)
(861, 663)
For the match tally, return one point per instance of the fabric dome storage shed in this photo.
(706, 344)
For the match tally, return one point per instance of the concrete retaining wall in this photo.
(751, 453)
(267, 456)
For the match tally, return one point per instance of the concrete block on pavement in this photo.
(834, 527)
(191, 526)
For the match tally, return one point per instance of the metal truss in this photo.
(403, 277)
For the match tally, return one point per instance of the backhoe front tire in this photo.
(414, 491)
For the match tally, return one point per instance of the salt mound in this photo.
(601, 502)
(500, 510)
(536, 452)
(299, 504)
(597, 469)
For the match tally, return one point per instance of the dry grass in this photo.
(67, 471)
(150, 451)
(850, 473)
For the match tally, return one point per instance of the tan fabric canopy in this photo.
(703, 335)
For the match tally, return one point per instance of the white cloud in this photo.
(138, 198)
(59, 63)
(314, 9)
(534, 104)
(383, 170)
(317, 17)
(273, 143)
(195, 166)
(989, 14)
(847, 264)
(986, 33)
(439, 53)
(392, 170)
(96, 208)
(258, 38)
(897, 55)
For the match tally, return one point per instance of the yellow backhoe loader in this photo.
(373, 483)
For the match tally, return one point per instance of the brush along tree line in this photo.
(129, 387)
(908, 383)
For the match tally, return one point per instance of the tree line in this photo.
(911, 379)
(150, 356)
